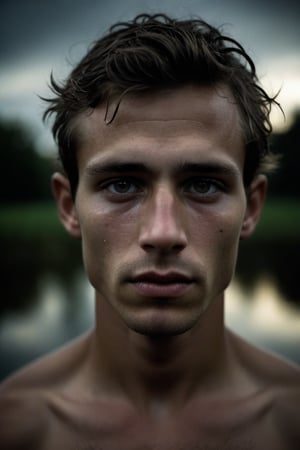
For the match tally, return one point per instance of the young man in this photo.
(162, 132)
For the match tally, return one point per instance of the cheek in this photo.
(218, 246)
(228, 233)
(219, 228)
(227, 247)
(228, 244)
(95, 241)
(104, 237)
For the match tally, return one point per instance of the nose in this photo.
(162, 227)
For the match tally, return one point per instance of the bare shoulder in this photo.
(22, 418)
(25, 397)
(52, 367)
(280, 378)
(265, 365)
(286, 413)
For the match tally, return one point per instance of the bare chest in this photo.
(114, 430)
(146, 440)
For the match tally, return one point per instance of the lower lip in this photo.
(149, 289)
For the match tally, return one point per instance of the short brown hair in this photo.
(153, 52)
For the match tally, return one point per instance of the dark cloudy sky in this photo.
(38, 36)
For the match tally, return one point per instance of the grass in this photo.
(280, 219)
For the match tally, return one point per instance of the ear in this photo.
(256, 193)
(65, 204)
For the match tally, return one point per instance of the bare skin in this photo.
(160, 209)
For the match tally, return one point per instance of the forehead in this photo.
(164, 124)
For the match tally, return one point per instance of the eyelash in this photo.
(139, 186)
(130, 181)
(217, 185)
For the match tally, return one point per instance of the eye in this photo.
(203, 186)
(121, 186)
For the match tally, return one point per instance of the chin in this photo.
(162, 326)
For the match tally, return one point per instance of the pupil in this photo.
(202, 186)
(122, 186)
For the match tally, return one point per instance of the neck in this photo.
(158, 369)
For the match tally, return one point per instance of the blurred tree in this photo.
(24, 173)
(285, 182)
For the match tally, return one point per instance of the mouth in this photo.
(154, 284)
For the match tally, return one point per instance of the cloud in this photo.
(38, 37)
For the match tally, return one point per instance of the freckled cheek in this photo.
(106, 244)
(99, 241)
(217, 248)
(227, 235)
(219, 234)
(103, 232)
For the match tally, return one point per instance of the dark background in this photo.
(44, 297)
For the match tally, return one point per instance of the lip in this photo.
(155, 284)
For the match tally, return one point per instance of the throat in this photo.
(159, 370)
(167, 364)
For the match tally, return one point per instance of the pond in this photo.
(46, 299)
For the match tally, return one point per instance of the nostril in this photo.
(163, 239)
(148, 247)
(163, 247)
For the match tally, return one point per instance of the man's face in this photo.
(161, 204)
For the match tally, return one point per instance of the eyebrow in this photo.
(183, 167)
(209, 168)
(116, 167)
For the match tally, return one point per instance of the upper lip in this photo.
(162, 278)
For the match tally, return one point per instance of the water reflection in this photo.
(264, 317)
(266, 320)
(59, 315)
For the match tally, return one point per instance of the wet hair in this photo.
(154, 52)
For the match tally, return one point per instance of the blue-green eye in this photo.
(202, 186)
(122, 186)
